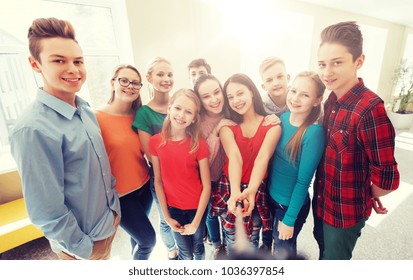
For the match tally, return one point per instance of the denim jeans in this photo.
(288, 248)
(266, 236)
(164, 229)
(213, 225)
(229, 234)
(189, 246)
(135, 208)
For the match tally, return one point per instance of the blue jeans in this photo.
(189, 246)
(135, 208)
(164, 229)
(213, 225)
(284, 249)
(229, 234)
(266, 236)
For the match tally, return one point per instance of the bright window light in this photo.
(374, 42)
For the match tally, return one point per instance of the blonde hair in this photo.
(294, 145)
(149, 69)
(268, 62)
(194, 129)
(153, 62)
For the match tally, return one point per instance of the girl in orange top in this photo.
(127, 162)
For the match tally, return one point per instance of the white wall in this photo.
(182, 30)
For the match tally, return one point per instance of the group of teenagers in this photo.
(205, 156)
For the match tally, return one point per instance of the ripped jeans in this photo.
(229, 234)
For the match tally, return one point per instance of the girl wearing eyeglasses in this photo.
(127, 162)
(148, 121)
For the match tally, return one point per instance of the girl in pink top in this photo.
(127, 161)
(182, 177)
(248, 147)
(213, 118)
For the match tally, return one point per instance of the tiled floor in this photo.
(385, 237)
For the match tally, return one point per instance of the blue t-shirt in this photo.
(289, 182)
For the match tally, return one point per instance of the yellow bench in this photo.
(15, 226)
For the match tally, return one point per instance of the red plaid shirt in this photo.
(359, 152)
(220, 196)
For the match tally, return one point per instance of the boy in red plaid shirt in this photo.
(358, 165)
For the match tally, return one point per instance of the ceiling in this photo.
(396, 11)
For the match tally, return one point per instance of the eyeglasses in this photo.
(125, 83)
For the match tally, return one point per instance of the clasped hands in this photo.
(245, 200)
(187, 229)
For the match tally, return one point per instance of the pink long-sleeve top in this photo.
(217, 154)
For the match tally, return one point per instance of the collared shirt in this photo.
(271, 108)
(65, 172)
(360, 151)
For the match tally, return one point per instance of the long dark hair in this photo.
(209, 77)
(256, 97)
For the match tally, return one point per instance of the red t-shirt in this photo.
(249, 148)
(179, 170)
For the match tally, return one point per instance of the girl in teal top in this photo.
(148, 122)
(295, 160)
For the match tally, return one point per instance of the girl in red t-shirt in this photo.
(248, 147)
(182, 176)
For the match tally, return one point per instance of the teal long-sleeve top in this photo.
(289, 182)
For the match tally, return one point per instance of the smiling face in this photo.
(126, 94)
(275, 80)
(62, 67)
(211, 96)
(337, 68)
(303, 96)
(182, 113)
(239, 98)
(162, 77)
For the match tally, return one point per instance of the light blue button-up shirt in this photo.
(66, 177)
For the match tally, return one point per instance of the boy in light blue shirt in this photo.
(60, 155)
